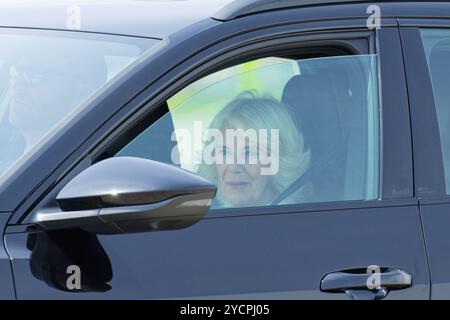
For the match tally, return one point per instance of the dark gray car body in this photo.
(274, 252)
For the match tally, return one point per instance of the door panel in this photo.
(271, 256)
(436, 218)
(6, 274)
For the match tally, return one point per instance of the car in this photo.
(248, 149)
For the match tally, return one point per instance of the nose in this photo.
(17, 82)
(20, 91)
(236, 168)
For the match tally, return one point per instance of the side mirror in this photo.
(124, 195)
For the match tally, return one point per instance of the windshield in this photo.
(46, 75)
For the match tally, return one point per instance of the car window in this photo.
(436, 43)
(46, 75)
(275, 131)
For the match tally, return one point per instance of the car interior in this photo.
(330, 112)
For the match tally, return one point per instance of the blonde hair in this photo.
(247, 111)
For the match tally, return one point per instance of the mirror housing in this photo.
(125, 195)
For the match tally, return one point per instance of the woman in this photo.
(245, 183)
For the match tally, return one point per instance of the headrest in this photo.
(314, 104)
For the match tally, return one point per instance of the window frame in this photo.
(315, 42)
(429, 172)
(306, 50)
(393, 183)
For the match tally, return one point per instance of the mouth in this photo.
(20, 103)
(237, 184)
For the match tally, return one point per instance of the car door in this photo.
(6, 276)
(426, 59)
(335, 219)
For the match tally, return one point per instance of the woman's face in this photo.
(242, 184)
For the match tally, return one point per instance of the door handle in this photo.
(360, 284)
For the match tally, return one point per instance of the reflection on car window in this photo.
(275, 131)
(437, 48)
(45, 75)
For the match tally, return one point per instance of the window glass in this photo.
(46, 75)
(436, 43)
(275, 131)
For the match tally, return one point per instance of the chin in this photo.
(20, 123)
(239, 203)
(16, 121)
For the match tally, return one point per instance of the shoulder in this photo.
(305, 194)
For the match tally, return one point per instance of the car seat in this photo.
(316, 112)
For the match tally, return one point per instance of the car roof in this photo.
(240, 8)
(145, 18)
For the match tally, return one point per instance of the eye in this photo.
(221, 151)
(36, 78)
(251, 152)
